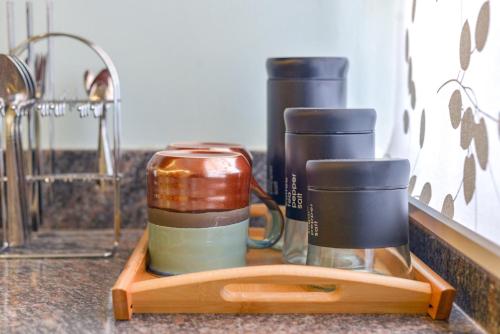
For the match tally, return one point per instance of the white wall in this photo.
(194, 70)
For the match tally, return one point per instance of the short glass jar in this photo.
(358, 215)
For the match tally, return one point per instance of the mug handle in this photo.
(277, 219)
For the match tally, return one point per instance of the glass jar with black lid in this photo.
(318, 133)
(358, 215)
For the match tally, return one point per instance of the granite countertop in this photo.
(47, 296)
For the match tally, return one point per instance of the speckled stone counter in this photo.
(73, 296)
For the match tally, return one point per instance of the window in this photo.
(450, 120)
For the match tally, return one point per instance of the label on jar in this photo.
(358, 219)
(294, 198)
(312, 224)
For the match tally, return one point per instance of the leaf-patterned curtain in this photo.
(450, 122)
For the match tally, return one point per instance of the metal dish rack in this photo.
(56, 108)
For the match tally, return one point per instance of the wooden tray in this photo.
(268, 286)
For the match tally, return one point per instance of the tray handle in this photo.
(443, 293)
(280, 289)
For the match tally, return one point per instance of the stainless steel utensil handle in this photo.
(11, 35)
(105, 159)
(17, 232)
(3, 192)
(22, 184)
(33, 161)
(36, 198)
(29, 30)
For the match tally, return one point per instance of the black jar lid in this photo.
(327, 68)
(330, 121)
(356, 174)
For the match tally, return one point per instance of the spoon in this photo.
(35, 143)
(14, 88)
(101, 90)
(25, 191)
(88, 79)
(34, 157)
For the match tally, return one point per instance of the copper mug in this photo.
(198, 211)
(256, 210)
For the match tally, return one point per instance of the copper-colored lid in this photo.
(198, 180)
(212, 146)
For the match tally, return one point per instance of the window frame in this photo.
(480, 250)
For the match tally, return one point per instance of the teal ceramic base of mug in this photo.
(174, 250)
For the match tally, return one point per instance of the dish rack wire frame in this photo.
(72, 177)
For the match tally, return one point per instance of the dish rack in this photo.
(266, 285)
(34, 109)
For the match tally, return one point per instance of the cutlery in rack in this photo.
(30, 96)
(101, 90)
(16, 88)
